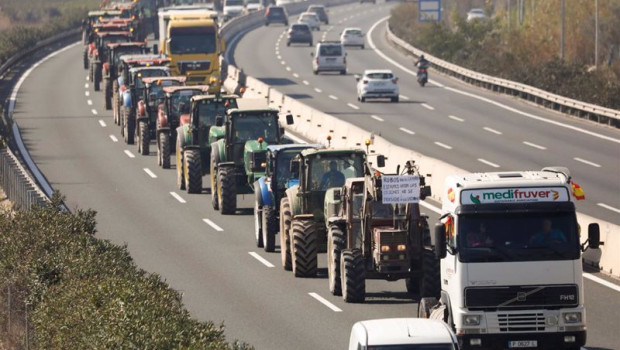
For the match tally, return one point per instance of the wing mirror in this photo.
(289, 119)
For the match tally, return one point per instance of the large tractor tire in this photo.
(91, 72)
(353, 276)
(180, 162)
(270, 228)
(285, 239)
(144, 139)
(192, 170)
(107, 94)
(425, 306)
(430, 283)
(85, 57)
(97, 77)
(163, 151)
(335, 245)
(116, 107)
(215, 159)
(258, 216)
(129, 122)
(226, 191)
(304, 248)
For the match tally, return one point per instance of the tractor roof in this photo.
(173, 89)
(163, 80)
(124, 33)
(314, 151)
(99, 13)
(145, 60)
(238, 111)
(198, 98)
(300, 146)
(127, 44)
(137, 70)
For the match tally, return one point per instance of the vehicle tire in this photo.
(91, 72)
(430, 283)
(192, 171)
(288, 43)
(353, 276)
(215, 159)
(285, 239)
(258, 217)
(315, 72)
(266, 24)
(85, 57)
(310, 44)
(130, 125)
(335, 245)
(227, 191)
(362, 47)
(97, 77)
(304, 248)
(343, 72)
(425, 306)
(395, 99)
(107, 94)
(164, 150)
(270, 228)
(362, 99)
(143, 134)
(115, 108)
(179, 160)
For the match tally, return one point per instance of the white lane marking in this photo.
(318, 90)
(333, 97)
(288, 69)
(325, 302)
(403, 97)
(492, 130)
(306, 82)
(488, 163)
(114, 139)
(453, 117)
(129, 154)
(86, 93)
(443, 145)
(86, 86)
(296, 75)
(94, 111)
(591, 277)
(283, 62)
(212, 224)
(177, 197)
(89, 102)
(102, 123)
(587, 162)
(87, 80)
(608, 207)
(376, 118)
(151, 174)
(534, 145)
(352, 106)
(261, 259)
(279, 57)
(407, 131)
(428, 106)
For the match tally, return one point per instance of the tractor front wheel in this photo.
(285, 238)
(143, 134)
(192, 170)
(353, 278)
(227, 191)
(163, 151)
(336, 244)
(179, 165)
(270, 228)
(304, 248)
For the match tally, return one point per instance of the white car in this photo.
(402, 333)
(311, 19)
(352, 37)
(377, 83)
(233, 8)
(329, 56)
(253, 5)
(475, 14)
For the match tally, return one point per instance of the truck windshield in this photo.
(522, 236)
(193, 40)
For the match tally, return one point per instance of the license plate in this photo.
(330, 59)
(513, 344)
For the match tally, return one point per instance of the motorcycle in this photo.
(422, 73)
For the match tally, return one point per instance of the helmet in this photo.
(421, 57)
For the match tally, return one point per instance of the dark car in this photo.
(299, 33)
(320, 11)
(276, 14)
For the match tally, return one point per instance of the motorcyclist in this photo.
(421, 62)
(422, 65)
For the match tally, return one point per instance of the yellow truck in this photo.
(190, 37)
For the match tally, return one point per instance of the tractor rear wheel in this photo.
(144, 139)
(285, 238)
(227, 191)
(116, 108)
(85, 57)
(304, 248)
(335, 245)
(192, 171)
(258, 216)
(270, 228)
(353, 276)
(91, 72)
(179, 161)
(130, 125)
(107, 94)
(215, 159)
(97, 76)
(163, 152)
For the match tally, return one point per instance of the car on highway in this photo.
(352, 37)
(320, 11)
(402, 334)
(276, 14)
(311, 19)
(329, 56)
(299, 33)
(476, 14)
(253, 5)
(377, 83)
(233, 8)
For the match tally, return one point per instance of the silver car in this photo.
(329, 56)
(377, 83)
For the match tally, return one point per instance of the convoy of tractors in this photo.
(338, 201)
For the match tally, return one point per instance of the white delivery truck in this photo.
(511, 271)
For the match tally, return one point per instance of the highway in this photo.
(213, 259)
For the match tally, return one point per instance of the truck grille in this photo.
(515, 297)
(527, 322)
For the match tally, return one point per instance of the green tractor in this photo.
(238, 152)
(303, 230)
(193, 145)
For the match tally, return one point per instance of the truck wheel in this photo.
(425, 306)
(107, 94)
(353, 278)
(270, 228)
(164, 150)
(130, 125)
(227, 191)
(97, 76)
(258, 217)
(179, 162)
(215, 159)
(192, 170)
(335, 245)
(144, 139)
(430, 283)
(304, 248)
(285, 240)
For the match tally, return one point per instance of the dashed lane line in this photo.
(94, 111)
(129, 154)
(427, 106)
(150, 173)
(488, 163)
(486, 128)
(453, 117)
(102, 123)
(325, 302)
(587, 162)
(333, 97)
(89, 102)
(113, 138)
(534, 145)
(177, 197)
(352, 106)
(261, 259)
(212, 224)
(443, 145)
(609, 207)
(377, 118)
(407, 131)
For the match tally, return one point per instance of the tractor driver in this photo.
(332, 178)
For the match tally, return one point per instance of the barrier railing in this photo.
(18, 186)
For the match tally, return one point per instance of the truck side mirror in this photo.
(439, 241)
(425, 192)
(289, 119)
(594, 236)
(381, 161)
(219, 120)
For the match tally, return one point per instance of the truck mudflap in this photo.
(555, 341)
(265, 192)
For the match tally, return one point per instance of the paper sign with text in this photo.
(400, 189)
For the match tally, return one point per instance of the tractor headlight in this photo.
(385, 249)
(401, 247)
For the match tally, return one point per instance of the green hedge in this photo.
(86, 293)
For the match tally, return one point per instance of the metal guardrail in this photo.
(546, 99)
(18, 186)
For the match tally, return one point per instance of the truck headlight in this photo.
(471, 320)
(572, 317)
(385, 248)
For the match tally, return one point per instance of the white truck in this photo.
(511, 270)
